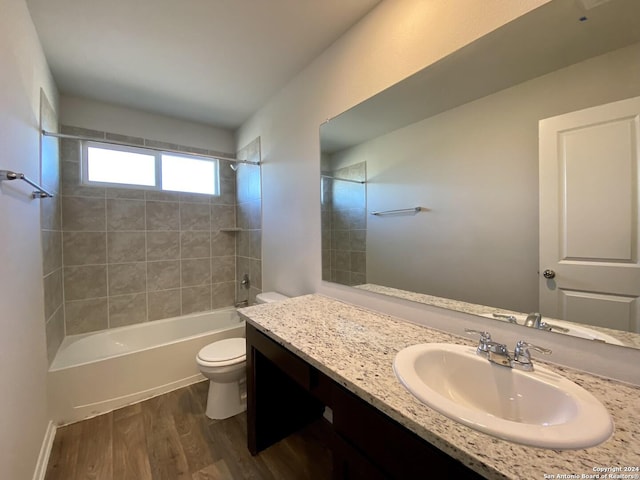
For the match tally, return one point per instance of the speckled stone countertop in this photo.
(628, 339)
(356, 348)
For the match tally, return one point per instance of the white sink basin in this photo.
(538, 408)
(574, 329)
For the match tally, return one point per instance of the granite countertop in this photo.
(356, 347)
(628, 339)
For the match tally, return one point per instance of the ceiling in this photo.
(210, 61)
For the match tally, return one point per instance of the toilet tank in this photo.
(270, 297)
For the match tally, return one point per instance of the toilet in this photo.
(224, 364)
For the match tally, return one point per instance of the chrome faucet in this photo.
(534, 320)
(498, 353)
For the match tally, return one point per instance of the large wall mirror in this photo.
(459, 185)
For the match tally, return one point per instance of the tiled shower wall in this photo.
(249, 216)
(131, 256)
(345, 221)
(51, 230)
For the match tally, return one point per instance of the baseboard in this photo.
(45, 451)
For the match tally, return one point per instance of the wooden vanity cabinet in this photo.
(285, 393)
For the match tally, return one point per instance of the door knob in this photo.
(549, 274)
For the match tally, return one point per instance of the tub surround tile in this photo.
(163, 245)
(51, 213)
(84, 282)
(84, 248)
(51, 251)
(223, 294)
(127, 278)
(223, 269)
(52, 293)
(83, 214)
(195, 216)
(163, 215)
(164, 304)
(86, 316)
(116, 137)
(195, 272)
(124, 242)
(195, 244)
(338, 339)
(127, 309)
(55, 333)
(223, 244)
(222, 216)
(196, 299)
(125, 214)
(123, 247)
(163, 275)
(255, 272)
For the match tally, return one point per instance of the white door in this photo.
(589, 177)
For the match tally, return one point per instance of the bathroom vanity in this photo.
(312, 352)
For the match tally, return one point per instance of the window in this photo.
(123, 166)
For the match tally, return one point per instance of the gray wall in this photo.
(476, 168)
(23, 350)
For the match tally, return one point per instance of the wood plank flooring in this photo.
(170, 438)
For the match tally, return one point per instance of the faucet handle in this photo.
(533, 320)
(485, 339)
(521, 353)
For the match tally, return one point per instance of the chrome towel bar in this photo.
(38, 193)
(400, 211)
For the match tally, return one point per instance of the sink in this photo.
(538, 408)
(574, 329)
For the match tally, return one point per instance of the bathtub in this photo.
(99, 372)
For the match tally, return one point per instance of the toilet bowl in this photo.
(224, 364)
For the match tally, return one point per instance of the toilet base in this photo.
(226, 399)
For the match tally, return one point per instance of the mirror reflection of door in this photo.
(589, 237)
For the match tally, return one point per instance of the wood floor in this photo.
(170, 438)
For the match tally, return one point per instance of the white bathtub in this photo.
(98, 372)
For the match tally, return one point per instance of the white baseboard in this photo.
(45, 451)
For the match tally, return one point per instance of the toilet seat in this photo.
(222, 353)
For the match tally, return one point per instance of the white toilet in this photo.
(224, 364)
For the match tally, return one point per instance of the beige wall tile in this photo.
(195, 272)
(127, 278)
(163, 215)
(84, 282)
(195, 216)
(255, 273)
(160, 196)
(69, 150)
(243, 243)
(163, 245)
(163, 275)
(84, 214)
(72, 182)
(358, 262)
(255, 250)
(84, 248)
(195, 244)
(55, 333)
(128, 193)
(223, 269)
(51, 213)
(196, 299)
(127, 310)
(164, 304)
(223, 243)
(51, 251)
(52, 293)
(223, 294)
(86, 316)
(222, 216)
(125, 214)
(123, 247)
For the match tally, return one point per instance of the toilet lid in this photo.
(224, 350)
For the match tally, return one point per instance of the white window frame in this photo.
(157, 154)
